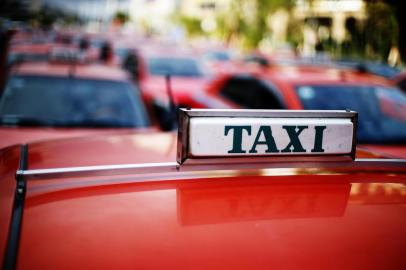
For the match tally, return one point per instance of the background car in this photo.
(53, 100)
(373, 67)
(187, 75)
(381, 107)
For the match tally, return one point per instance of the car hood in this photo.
(104, 149)
(390, 151)
(22, 135)
(226, 222)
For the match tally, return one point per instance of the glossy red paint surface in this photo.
(20, 135)
(201, 220)
(104, 150)
(228, 222)
(393, 151)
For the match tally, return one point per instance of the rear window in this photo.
(251, 93)
(27, 57)
(178, 67)
(71, 102)
(382, 111)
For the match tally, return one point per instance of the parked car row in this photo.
(120, 152)
(163, 73)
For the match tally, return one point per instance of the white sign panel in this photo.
(225, 136)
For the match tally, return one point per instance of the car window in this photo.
(251, 93)
(382, 111)
(218, 56)
(178, 67)
(18, 57)
(54, 101)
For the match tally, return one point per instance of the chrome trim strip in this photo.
(371, 165)
(268, 113)
(102, 170)
(268, 159)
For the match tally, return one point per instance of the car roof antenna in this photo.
(169, 91)
(72, 69)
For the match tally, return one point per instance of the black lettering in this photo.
(294, 139)
(318, 139)
(269, 140)
(237, 137)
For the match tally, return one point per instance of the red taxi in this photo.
(381, 106)
(187, 75)
(239, 190)
(59, 99)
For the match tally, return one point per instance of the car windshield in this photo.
(121, 52)
(71, 102)
(178, 67)
(218, 56)
(31, 57)
(382, 111)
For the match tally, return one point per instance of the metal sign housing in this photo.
(246, 136)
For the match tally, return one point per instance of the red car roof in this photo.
(140, 146)
(90, 71)
(319, 74)
(237, 219)
(217, 221)
(31, 48)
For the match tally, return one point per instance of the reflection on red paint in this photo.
(242, 203)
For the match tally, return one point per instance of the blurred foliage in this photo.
(295, 32)
(374, 37)
(247, 21)
(246, 24)
(381, 30)
(192, 25)
(45, 17)
(15, 10)
(121, 17)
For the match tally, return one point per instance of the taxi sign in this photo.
(205, 134)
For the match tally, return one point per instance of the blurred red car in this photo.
(187, 75)
(54, 100)
(381, 107)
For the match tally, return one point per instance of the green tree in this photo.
(381, 30)
(121, 17)
(192, 25)
(247, 21)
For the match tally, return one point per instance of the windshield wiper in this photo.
(22, 120)
(98, 123)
